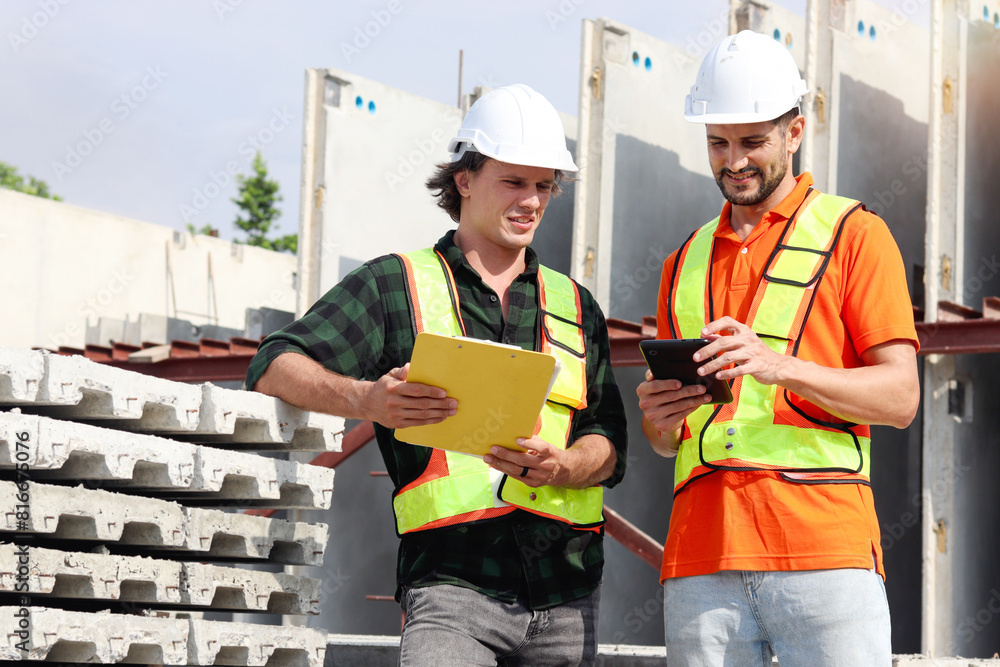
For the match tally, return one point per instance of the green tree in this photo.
(10, 179)
(204, 230)
(258, 198)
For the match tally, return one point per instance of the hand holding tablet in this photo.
(673, 360)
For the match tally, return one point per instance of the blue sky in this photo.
(163, 96)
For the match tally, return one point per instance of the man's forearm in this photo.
(304, 383)
(887, 391)
(596, 457)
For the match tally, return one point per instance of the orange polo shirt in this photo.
(755, 520)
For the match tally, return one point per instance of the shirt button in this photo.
(730, 431)
(743, 251)
(729, 445)
(533, 495)
(493, 298)
(506, 339)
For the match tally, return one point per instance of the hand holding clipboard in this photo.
(500, 390)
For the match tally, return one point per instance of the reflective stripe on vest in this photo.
(743, 435)
(457, 488)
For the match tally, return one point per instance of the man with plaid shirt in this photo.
(514, 580)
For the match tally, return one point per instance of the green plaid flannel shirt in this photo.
(362, 328)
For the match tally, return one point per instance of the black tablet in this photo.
(672, 360)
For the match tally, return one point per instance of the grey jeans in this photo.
(450, 625)
(810, 618)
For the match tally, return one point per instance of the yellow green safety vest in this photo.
(458, 488)
(761, 430)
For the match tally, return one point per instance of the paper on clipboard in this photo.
(500, 390)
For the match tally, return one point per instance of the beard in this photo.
(768, 186)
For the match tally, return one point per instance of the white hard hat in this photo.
(514, 124)
(746, 78)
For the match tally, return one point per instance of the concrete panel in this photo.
(70, 636)
(973, 537)
(645, 179)
(213, 642)
(66, 450)
(960, 580)
(658, 205)
(107, 331)
(59, 450)
(236, 419)
(59, 575)
(982, 233)
(784, 25)
(223, 477)
(66, 266)
(253, 590)
(75, 387)
(223, 535)
(77, 513)
(262, 321)
(554, 237)
(56, 635)
(369, 150)
(372, 150)
(21, 374)
(882, 113)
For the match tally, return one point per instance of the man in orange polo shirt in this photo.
(773, 546)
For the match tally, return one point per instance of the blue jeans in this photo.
(450, 625)
(814, 618)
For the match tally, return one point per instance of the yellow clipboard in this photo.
(500, 390)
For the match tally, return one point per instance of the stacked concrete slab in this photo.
(122, 523)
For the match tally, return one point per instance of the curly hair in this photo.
(443, 188)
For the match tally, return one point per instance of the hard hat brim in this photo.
(516, 155)
(730, 119)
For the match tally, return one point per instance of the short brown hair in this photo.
(443, 188)
(785, 119)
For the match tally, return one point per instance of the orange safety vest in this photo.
(458, 488)
(747, 434)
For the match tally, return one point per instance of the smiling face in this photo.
(502, 204)
(751, 161)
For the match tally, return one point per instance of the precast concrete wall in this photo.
(64, 267)
(974, 538)
(369, 150)
(645, 182)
